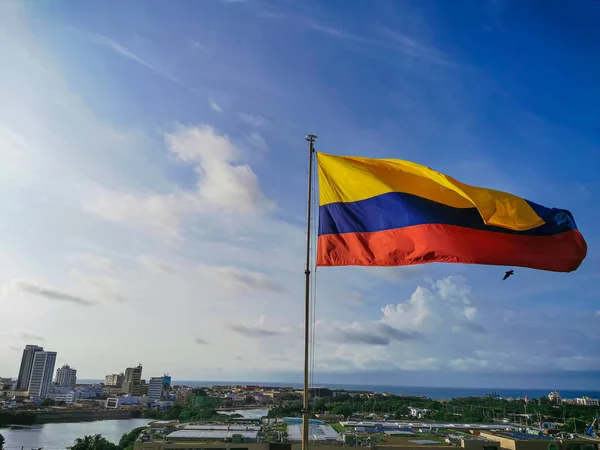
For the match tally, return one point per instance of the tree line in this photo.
(467, 410)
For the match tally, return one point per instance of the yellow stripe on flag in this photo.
(351, 179)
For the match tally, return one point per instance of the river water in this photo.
(54, 436)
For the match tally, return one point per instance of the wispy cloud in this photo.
(124, 51)
(26, 336)
(197, 45)
(411, 47)
(94, 261)
(258, 330)
(242, 280)
(51, 293)
(266, 14)
(154, 263)
(214, 105)
(376, 333)
(253, 331)
(256, 140)
(390, 40)
(201, 341)
(255, 121)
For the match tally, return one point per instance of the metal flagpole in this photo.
(311, 138)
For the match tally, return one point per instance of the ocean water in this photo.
(442, 393)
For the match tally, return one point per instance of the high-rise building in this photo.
(26, 363)
(66, 376)
(41, 374)
(114, 379)
(132, 380)
(158, 387)
(155, 388)
(143, 388)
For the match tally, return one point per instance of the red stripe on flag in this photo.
(422, 244)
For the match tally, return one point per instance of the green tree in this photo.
(1, 442)
(96, 442)
(128, 439)
(249, 400)
(48, 402)
(344, 410)
(400, 412)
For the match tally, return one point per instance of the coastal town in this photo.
(253, 416)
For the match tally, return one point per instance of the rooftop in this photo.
(223, 427)
(186, 434)
(517, 436)
(315, 433)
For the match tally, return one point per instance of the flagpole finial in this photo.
(311, 138)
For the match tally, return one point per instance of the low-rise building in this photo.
(554, 396)
(319, 392)
(6, 384)
(419, 413)
(183, 397)
(62, 394)
(111, 391)
(121, 402)
(114, 379)
(90, 391)
(586, 401)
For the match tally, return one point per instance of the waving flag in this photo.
(389, 212)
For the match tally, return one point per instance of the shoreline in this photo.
(41, 418)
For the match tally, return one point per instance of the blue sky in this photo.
(154, 185)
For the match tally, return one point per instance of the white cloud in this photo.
(464, 364)
(413, 312)
(197, 45)
(214, 105)
(427, 309)
(470, 312)
(101, 287)
(154, 263)
(223, 185)
(159, 213)
(255, 139)
(254, 120)
(94, 261)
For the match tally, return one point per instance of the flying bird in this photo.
(508, 274)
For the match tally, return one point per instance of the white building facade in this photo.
(66, 376)
(26, 365)
(41, 374)
(155, 388)
(554, 396)
(62, 394)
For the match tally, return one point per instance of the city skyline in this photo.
(155, 186)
